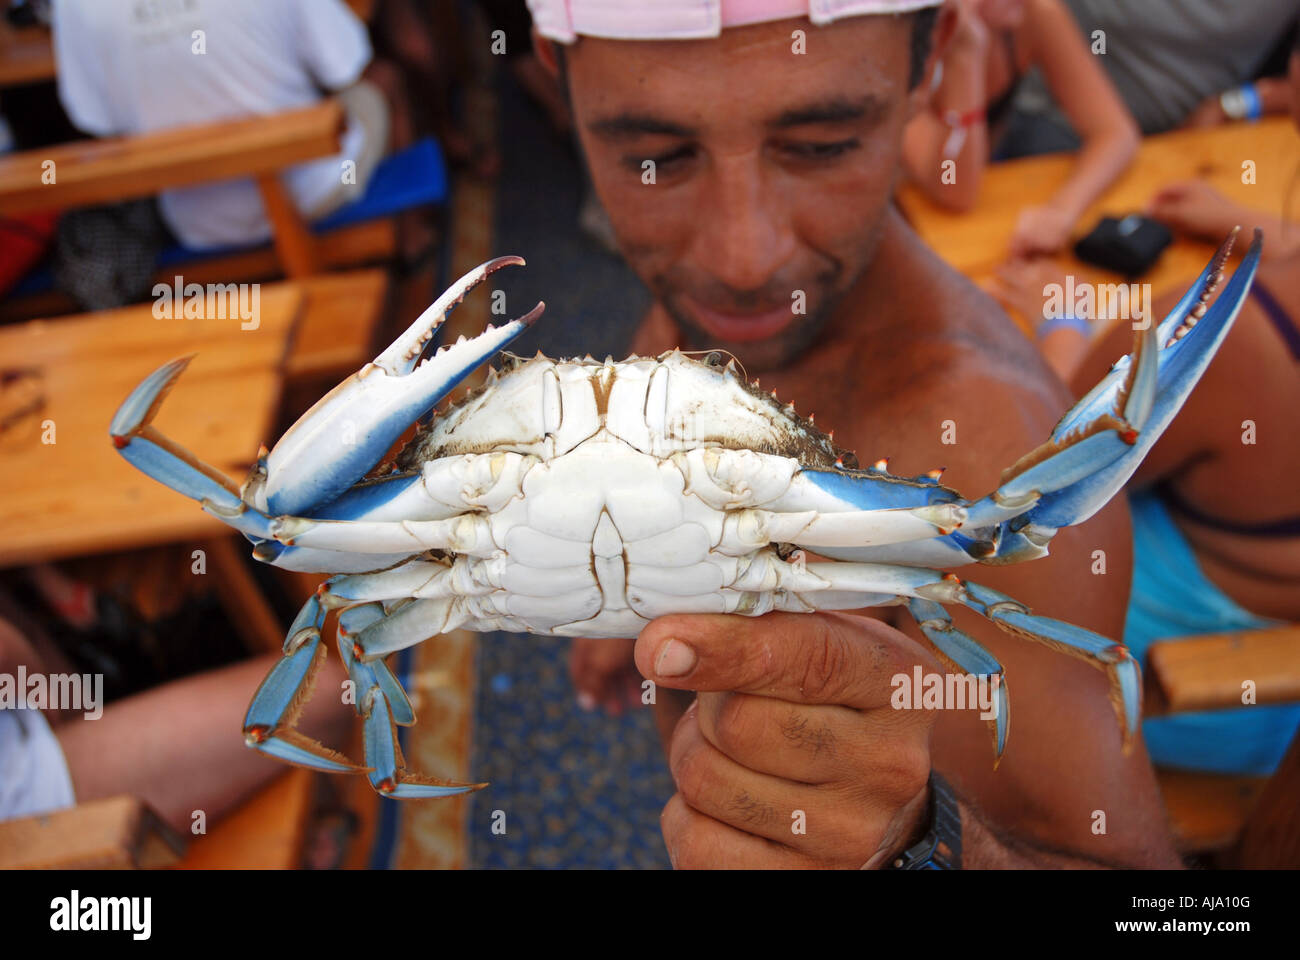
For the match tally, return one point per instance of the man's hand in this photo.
(792, 755)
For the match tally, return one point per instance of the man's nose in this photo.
(745, 233)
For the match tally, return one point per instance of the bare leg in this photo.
(178, 747)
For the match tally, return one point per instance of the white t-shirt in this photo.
(134, 66)
(34, 775)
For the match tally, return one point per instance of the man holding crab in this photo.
(763, 225)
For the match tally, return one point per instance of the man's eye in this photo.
(664, 161)
(820, 151)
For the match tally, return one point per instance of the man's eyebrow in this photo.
(625, 126)
(837, 110)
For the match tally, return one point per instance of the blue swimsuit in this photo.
(1172, 598)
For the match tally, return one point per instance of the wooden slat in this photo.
(116, 833)
(265, 833)
(1207, 811)
(1208, 672)
(293, 241)
(339, 318)
(120, 168)
(243, 601)
(373, 241)
(26, 55)
(77, 495)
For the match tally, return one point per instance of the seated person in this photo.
(128, 68)
(995, 43)
(177, 747)
(1216, 520)
(1174, 62)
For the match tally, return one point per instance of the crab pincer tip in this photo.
(529, 318)
(509, 260)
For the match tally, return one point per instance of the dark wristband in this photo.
(940, 848)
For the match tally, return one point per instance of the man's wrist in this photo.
(939, 847)
(1242, 103)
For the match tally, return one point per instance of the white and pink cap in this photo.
(566, 20)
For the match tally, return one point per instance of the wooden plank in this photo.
(1207, 811)
(243, 601)
(76, 495)
(116, 833)
(264, 833)
(26, 55)
(1209, 672)
(372, 241)
(336, 334)
(294, 243)
(120, 168)
(975, 242)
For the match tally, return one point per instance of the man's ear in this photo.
(945, 26)
(544, 47)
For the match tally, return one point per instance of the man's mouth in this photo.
(740, 327)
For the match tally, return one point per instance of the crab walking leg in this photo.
(383, 705)
(403, 627)
(169, 463)
(269, 723)
(470, 533)
(388, 774)
(854, 584)
(441, 490)
(347, 432)
(966, 654)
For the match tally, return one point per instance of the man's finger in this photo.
(832, 823)
(800, 657)
(808, 743)
(698, 842)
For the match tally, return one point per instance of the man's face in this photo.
(772, 171)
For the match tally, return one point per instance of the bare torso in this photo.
(915, 351)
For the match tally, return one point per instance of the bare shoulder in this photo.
(957, 380)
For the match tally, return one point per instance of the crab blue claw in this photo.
(348, 431)
(1100, 442)
(1185, 345)
(167, 462)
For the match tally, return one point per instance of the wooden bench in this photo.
(1252, 821)
(115, 169)
(122, 168)
(111, 834)
(26, 55)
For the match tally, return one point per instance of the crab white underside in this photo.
(586, 498)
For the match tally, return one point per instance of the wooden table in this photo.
(77, 495)
(976, 242)
(26, 55)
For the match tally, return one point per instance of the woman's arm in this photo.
(1110, 135)
(963, 93)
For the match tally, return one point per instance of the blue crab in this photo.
(585, 498)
